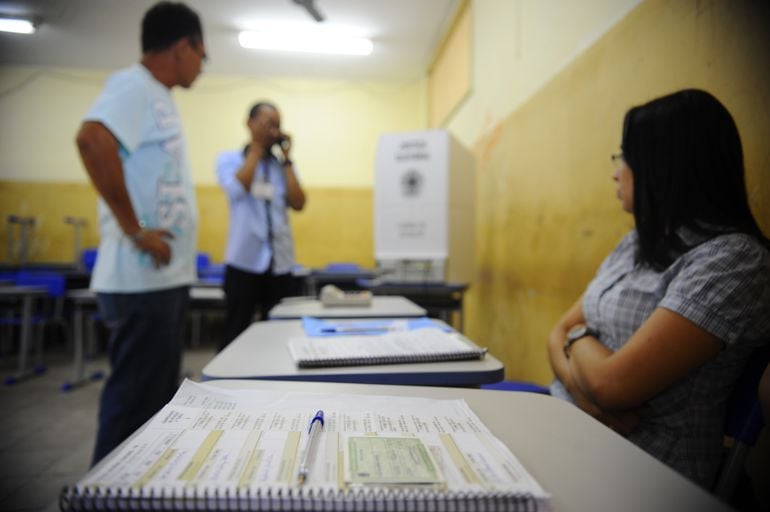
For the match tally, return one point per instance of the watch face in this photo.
(577, 332)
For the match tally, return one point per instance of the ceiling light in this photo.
(305, 40)
(16, 25)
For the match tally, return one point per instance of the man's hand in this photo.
(153, 242)
(285, 146)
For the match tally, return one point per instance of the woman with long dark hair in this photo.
(654, 345)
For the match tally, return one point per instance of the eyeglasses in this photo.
(617, 158)
(268, 124)
(197, 47)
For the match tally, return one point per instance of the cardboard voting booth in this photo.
(424, 218)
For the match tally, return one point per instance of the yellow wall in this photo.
(335, 226)
(547, 212)
(335, 126)
(551, 82)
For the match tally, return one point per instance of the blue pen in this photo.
(316, 424)
(357, 328)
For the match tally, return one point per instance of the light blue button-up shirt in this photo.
(248, 247)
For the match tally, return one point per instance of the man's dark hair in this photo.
(254, 111)
(685, 155)
(165, 23)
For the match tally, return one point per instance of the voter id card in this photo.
(381, 460)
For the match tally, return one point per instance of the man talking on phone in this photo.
(261, 184)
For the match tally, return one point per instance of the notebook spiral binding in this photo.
(75, 498)
(395, 359)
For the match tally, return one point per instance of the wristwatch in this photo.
(578, 332)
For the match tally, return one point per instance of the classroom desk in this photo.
(315, 279)
(74, 275)
(380, 307)
(202, 298)
(260, 352)
(439, 299)
(584, 465)
(26, 295)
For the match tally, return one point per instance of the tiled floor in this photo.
(47, 436)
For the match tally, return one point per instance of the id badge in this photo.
(262, 190)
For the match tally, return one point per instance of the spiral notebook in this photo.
(221, 449)
(417, 346)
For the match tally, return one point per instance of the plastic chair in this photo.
(202, 262)
(88, 259)
(514, 385)
(744, 421)
(342, 267)
(55, 285)
(208, 272)
(7, 278)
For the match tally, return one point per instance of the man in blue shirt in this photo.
(260, 251)
(133, 148)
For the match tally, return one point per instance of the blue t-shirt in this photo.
(140, 112)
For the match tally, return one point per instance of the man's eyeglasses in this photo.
(197, 47)
(617, 158)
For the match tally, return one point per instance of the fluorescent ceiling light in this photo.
(305, 40)
(17, 26)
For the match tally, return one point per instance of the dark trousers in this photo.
(145, 352)
(246, 293)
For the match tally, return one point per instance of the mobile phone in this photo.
(281, 141)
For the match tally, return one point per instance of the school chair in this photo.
(50, 312)
(515, 385)
(744, 421)
(88, 259)
(209, 273)
(342, 267)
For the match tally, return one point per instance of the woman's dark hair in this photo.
(165, 23)
(685, 155)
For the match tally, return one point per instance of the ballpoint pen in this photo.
(316, 424)
(356, 328)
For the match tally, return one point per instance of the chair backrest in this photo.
(202, 261)
(743, 423)
(55, 283)
(8, 277)
(517, 385)
(88, 258)
(342, 267)
(744, 418)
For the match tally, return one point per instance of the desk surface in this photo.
(406, 287)
(381, 307)
(261, 352)
(14, 291)
(583, 465)
(197, 294)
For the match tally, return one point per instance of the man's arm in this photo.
(295, 196)
(245, 173)
(99, 152)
